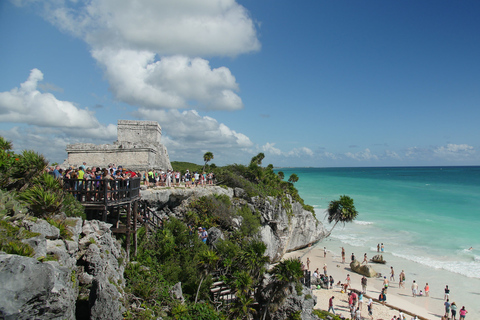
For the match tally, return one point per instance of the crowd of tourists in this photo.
(150, 178)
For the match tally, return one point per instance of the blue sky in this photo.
(308, 83)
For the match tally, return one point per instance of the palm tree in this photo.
(208, 156)
(281, 175)
(342, 210)
(293, 178)
(5, 145)
(286, 272)
(208, 260)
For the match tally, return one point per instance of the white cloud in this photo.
(188, 27)
(187, 134)
(299, 152)
(126, 36)
(364, 155)
(454, 152)
(270, 149)
(28, 105)
(172, 82)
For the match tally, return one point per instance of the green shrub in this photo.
(10, 239)
(65, 232)
(250, 222)
(322, 314)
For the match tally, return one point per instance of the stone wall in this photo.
(138, 148)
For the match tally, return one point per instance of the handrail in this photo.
(103, 191)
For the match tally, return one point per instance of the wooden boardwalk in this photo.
(115, 201)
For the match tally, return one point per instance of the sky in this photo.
(310, 83)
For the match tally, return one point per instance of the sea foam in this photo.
(469, 269)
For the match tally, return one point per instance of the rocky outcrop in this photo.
(364, 269)
(30, 289)
(80, 277)
(286, 226)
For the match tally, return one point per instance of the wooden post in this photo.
(135, 216)
(128, 223)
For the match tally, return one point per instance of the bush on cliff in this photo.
(24, 174)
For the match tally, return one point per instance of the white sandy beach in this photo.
(427, 307)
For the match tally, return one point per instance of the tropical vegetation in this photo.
(341, 210)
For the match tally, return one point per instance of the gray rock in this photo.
(38, 244)
(177, 292)
(214, 235)
(296, 304)
(30, 289)
(104, 300)
(43, 227)
(365, 269)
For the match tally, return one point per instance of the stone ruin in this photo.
(138, 148)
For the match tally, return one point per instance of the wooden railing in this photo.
(105, 192)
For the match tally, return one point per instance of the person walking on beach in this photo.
(392, 274)
(364, 284)
(378, 247)
(447, 293)
(343, 255)
(414, 289)
(308, 263)
(370, 308)
(330, 305)
(427, 290)
(353, 257)
(463, 313)
(401, 280)
(325, 269)
(365, 258)
(348, 282)
(447, 308)
(453, 308)
(385, 284)
(324, 252)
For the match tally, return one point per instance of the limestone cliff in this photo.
(285, 226)
(78, 278)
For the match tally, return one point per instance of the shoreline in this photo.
(430, 308)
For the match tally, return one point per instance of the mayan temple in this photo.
(138, 147)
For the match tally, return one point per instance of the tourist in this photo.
(370, 307)
(385, 284)
(414, 288)
(447, 293)
(392, 274)
(353, 257)
(358, 314)
(343, 255)
(347, 280)
(324, 252)
(330, 305)
(383, 297)
(308, 263)
(325, 269)
(463, 313)
(331, 282)
(378, 247)
(365, 258)
(315, 273)
(360, 301)
(401, 280)
(382, 248)
(453, 309)
(364, 284)
(447, 307)
(427, 290)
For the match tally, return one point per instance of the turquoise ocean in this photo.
(426, 217)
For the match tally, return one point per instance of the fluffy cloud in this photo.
(270, 149)
(189, 27)
(126, 36)
(30, 106)
(188, 135)
(454, 152)
(173, 82)
(364, 155)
